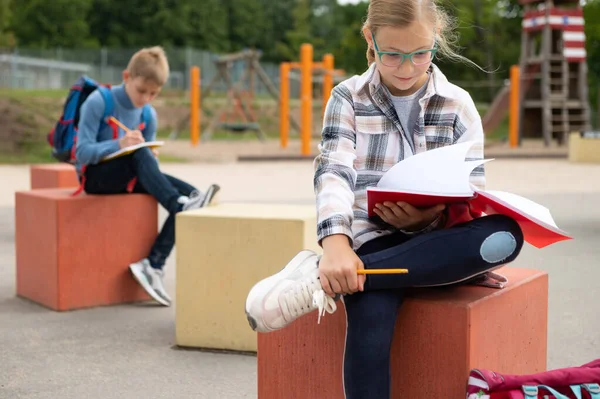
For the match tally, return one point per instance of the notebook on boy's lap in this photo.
(132, 148)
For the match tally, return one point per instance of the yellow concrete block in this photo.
(222, 251)
(584, 149)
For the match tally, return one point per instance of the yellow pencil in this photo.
(118, 123)
(382, 271)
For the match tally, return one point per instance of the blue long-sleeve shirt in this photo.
(94, 143)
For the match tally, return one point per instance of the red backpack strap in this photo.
(82, 184)
(114, 127)
(74, 148)
(131, 185)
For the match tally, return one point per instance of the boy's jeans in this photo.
(113, 177)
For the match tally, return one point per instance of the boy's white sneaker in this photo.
(198, 200)
(151, 280)
(296, 290)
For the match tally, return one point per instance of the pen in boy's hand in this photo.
(118, 123)
(382, 271)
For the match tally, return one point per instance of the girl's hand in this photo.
(404, 216)
(338, 266)
(155, 152)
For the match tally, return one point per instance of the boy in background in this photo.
(137, 172)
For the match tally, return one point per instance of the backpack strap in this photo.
(109, 107)
(146, 117)
(108, 101)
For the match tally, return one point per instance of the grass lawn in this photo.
(33, 113)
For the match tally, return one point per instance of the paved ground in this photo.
(229, 151)
(127, 351)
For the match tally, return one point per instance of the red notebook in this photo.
(442, 176)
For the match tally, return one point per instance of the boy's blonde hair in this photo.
(401, 13)
(150, 64)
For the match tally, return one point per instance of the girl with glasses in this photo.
(400, 106)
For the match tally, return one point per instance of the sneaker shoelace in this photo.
(324, 303)
(307, 295)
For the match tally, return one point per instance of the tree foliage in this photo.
(489, 30)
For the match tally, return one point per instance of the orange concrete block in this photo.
(74, 251)
(440, 335)
(59, 175)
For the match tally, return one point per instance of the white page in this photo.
(526, 206)
(442, 171)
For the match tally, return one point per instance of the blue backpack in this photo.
(63, 137)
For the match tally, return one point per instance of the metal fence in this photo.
(58, 68)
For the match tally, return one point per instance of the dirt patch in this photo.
(19, 128)
(26, 120)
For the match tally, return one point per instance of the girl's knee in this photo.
(504, 243)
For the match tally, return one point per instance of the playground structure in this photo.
(548, 94)
(555, 99)
(236, 113)
(239, 101)
(307, 69)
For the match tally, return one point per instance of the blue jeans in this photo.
(112, 177)
(442, 257)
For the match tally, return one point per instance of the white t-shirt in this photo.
(408, 109)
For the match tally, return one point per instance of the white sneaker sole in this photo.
(164, 295)
(143, 281)
(210, 196)
(257, 289)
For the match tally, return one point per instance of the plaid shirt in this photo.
(362, 138)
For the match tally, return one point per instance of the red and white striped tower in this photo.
(553, 87)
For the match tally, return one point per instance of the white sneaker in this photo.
(278, 300)
(151, 280)
(199, 200)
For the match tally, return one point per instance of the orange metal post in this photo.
(306, 60)
(284, 103)
(195, 105)
(513, 131)
(328, 62)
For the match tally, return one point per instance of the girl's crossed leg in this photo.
(442, 257)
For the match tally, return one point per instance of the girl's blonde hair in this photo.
(401, 13)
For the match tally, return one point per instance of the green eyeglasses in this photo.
(395, 59)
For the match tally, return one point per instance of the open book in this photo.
(442, 176)
(132, 148)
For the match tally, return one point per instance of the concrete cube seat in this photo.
(58, 175)
(222, 251)
(440, 335)
(74, 251)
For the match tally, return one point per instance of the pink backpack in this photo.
(569, 383)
